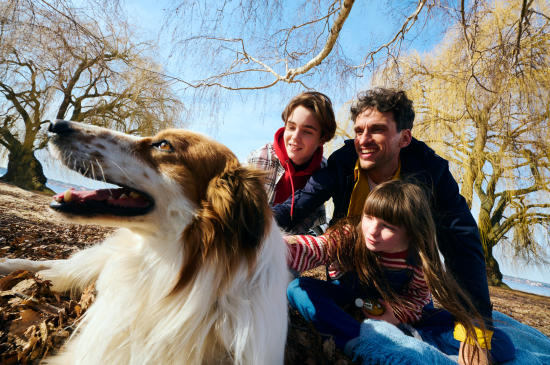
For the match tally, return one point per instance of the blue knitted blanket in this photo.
(381, 343)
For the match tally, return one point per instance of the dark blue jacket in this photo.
(458, 234)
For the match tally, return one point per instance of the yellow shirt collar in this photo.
(361, 189)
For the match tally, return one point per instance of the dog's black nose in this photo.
(59, 126)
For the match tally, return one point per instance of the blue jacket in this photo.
(458, 234)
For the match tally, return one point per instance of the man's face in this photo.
(377, 141)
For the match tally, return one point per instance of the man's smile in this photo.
(368, 151)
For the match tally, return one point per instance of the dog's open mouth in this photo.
(119, 202)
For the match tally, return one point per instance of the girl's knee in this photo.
(502, 347)
(296, 291)
(291, 290)
(298, 294)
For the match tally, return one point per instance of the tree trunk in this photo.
(494, 276)
(25, 171)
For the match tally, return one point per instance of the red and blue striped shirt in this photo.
(309, 252)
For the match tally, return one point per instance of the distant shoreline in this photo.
(55, 185)
(534, 283)
(534, 290)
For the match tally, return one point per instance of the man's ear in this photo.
(406, 138)
(322, 141)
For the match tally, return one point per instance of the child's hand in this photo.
(465, 353)
(388, 315)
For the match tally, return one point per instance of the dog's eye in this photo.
(163, 145)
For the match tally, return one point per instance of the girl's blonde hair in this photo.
(405, 205)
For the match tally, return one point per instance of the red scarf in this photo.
(293, 180)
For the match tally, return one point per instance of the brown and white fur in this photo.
(200, 278)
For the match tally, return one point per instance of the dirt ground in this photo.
(35, 321)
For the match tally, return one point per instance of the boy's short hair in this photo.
(386, 100)
(319, 104)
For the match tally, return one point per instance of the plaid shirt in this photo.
(266, 159)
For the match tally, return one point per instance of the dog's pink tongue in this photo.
(118, 197)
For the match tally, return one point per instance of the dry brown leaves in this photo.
(307, 346)
(530, 309)
(34, 320)
(29, 230)
(29, 239)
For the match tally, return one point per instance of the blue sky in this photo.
(247, 126)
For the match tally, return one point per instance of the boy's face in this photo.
(382, 236)
(302, 135)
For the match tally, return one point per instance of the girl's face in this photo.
(382, 236)
(302, 135)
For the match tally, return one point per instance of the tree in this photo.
(50, 69)
(482, 99)
(256, 45)
(276, 48)
(267, 51)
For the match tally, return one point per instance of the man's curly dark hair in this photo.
(386, 100)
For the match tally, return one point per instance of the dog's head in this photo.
(179, 182)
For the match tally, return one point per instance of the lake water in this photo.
(57, 189)
(528, 288)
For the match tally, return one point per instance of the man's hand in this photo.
(388, 315)
(465, 353)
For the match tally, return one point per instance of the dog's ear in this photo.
(239, 200)
(233, 221)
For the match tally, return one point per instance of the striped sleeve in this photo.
(416, 296)
(308, 252)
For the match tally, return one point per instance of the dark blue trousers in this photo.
(320, 301)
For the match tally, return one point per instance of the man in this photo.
(384, 149)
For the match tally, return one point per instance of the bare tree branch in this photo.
(397, 37)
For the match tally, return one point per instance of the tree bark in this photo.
(494, 276)
(25, 171)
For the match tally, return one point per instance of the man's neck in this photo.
(378, 176)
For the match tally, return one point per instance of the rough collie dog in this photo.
(197, 274)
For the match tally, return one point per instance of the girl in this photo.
(297, 152)
(390, 252)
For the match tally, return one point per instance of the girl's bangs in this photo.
(386, 204)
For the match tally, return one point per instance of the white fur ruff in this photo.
(134, 322)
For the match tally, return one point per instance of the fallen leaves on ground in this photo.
(305, 345)
(28, 239)
(527, 308)
(34, 320)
